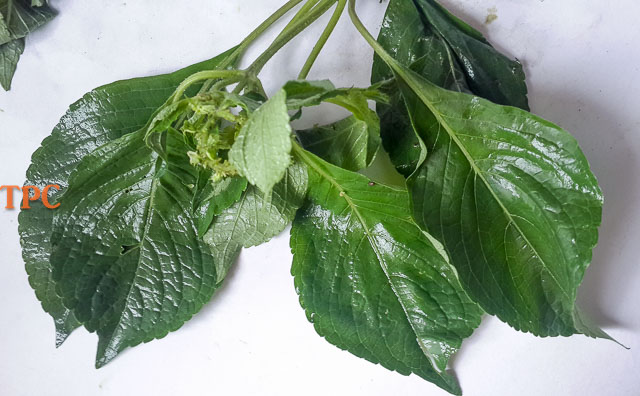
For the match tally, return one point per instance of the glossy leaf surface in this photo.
(372, 282)
(487, 72)
(102, 115)
(126, 256)
(513, 200)
(449, 53)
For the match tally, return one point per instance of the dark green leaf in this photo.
(372, 282)
(350, 143)
(102, 115)
(261, 150)
(20, 18)
(126, 257)
(422, 35)
(513, 200)
(487, 72)
(9, 56)
(256, 217)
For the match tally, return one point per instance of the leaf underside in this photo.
(256, 218)
(261, 150)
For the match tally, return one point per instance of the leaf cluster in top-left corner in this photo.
(18, 18)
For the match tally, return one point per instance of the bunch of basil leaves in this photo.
(499, 214)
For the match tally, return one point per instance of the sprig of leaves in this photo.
(18, 18)
(167, 178)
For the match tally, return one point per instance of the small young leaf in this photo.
(372, 282)
(261, 150)
(304, 93)
(102, 115)
(351, 143)
(9, 55)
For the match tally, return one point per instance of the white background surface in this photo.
(581, 58)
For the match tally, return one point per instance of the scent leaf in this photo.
(126, 256)
(261, 150)
(511, 197)
(488, 72)
(372, 282)
(9, 55)
(19, 18)
(450, 54)
(102, 115)
(350, 143)
(256, 217)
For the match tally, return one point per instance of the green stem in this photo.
(365, 33)
(255, 34)
(288, 34)
(322, 40)
(304, 10)
(204, 75)
(259, 31)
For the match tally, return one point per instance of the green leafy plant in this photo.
(18, 18)
(166, 178)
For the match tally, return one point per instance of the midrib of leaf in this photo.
(372, 241)
(147, 224)
(451, 64)
(415, 86)
(9, 11)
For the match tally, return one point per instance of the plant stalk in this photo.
(323, 39)
(259, 31)
(289, 33)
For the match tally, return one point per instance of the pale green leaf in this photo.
(261, 150)
(257, 218)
